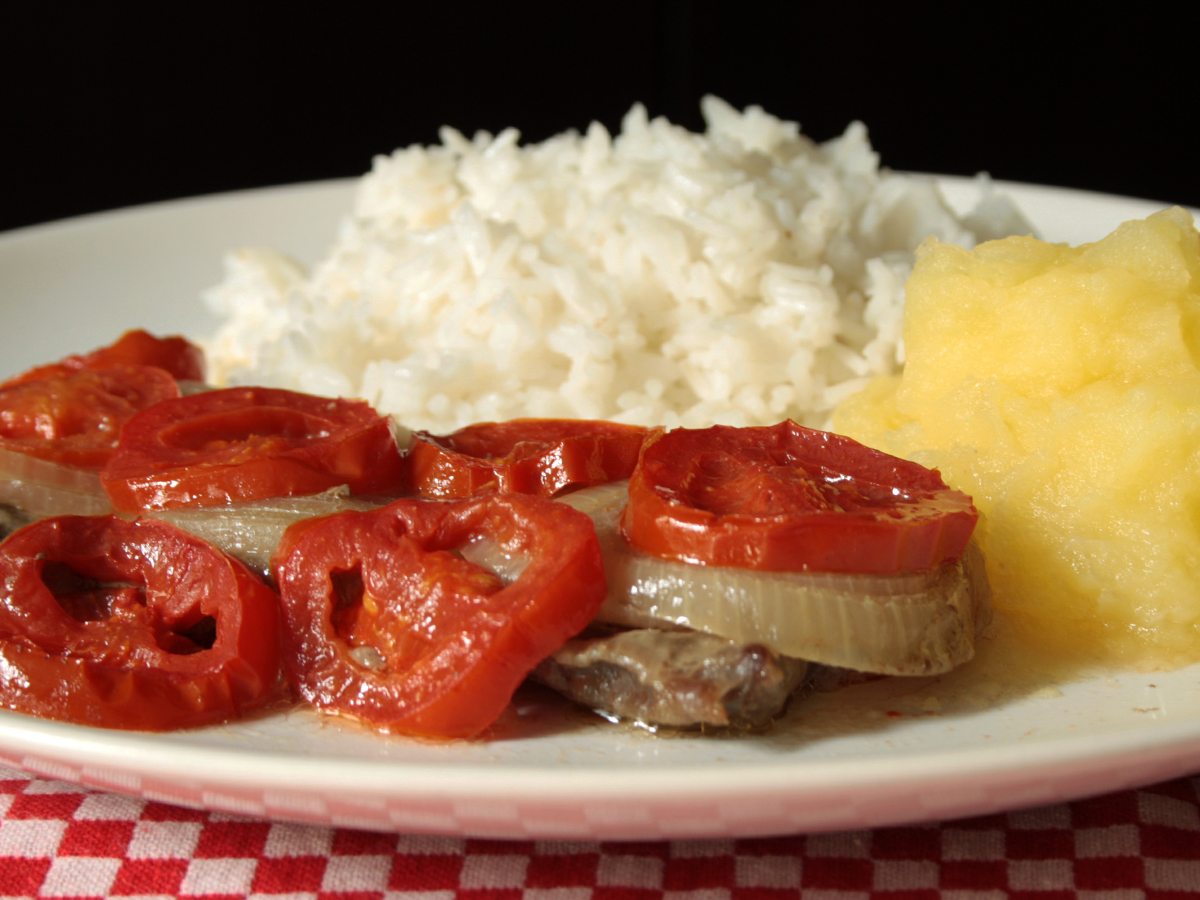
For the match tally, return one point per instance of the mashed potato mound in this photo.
(1060, 387)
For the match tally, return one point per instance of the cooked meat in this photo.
(12, 518)
(675, 678)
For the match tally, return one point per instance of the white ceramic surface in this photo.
(889, 752)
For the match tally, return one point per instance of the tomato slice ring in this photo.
(789, 498)
(75, 418)
(445, 642)
(543, 457)
(177, 355)
(133, 625)
(242, 444)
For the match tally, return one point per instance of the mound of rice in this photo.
(739, 276)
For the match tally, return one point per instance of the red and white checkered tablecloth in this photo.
(61, 840)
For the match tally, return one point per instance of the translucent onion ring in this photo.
(919, 623)
(250, 532)
(40, 488)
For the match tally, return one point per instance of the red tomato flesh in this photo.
(133, 625)
(789, 498)
(243, 444)
(544, 457)
(177, 355)
(75, 418)
(446, 642)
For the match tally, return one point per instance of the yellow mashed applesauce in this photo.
(1060, 387)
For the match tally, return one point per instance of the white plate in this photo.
(890, 752)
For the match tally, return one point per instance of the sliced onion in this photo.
(40, 488)
(918, 623)
(23, 467)
(369, 658)
(187, 388)
(487, 554)
(251, 531)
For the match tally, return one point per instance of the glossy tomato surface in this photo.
(74, 418)
(789, 498)
(176, 355)
(135, 625)
(386, 623)
(243, 444)
(544, 457)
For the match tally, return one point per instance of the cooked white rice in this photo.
(739, 276)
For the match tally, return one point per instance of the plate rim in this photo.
(177, 204)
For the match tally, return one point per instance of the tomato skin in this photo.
(789, 498)
(177, 355)
(240, 444)
(543, 457)
(455, 644)
(95, 618)
(75, 418)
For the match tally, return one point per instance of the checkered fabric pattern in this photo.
(61, 840)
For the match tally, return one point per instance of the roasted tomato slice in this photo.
(545, 457)
(248, 443)
(386, 622)
(789, 498)
(134, 625)
(177, 355)
(74, 418)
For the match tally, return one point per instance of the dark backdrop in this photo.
(107, 105)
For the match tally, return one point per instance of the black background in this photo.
(108, 105)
